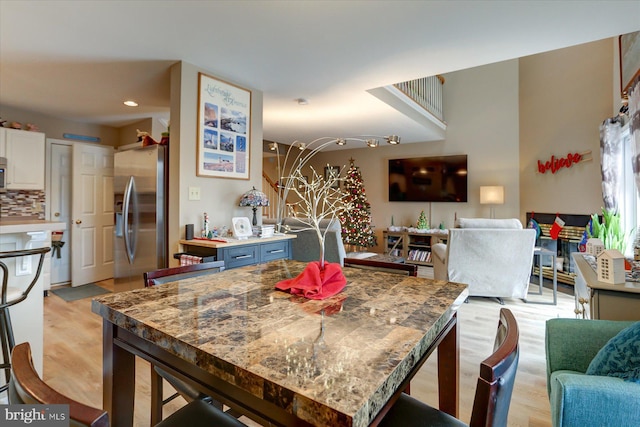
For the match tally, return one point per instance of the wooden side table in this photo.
(607, 301)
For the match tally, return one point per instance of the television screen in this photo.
(428, 179)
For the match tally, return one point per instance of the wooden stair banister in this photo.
(272, 184)
(278, 191)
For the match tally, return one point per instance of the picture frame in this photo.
(330, 171)
(224, 129)
(629, 45)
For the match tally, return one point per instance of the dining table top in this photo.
(335, 361)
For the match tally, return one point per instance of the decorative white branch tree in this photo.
(319, 199)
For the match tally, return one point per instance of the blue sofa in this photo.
(578, 399)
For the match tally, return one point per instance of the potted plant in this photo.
(610, 230)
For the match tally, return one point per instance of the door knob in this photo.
(56, 214)
(78, 221)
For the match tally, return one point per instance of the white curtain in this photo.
(634, 128)
(611, 165)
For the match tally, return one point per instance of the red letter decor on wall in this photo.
(554, 164)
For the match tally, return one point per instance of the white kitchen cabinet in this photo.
(24, 151)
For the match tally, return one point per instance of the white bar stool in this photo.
(10, 296)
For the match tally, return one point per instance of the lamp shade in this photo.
(492, 195)
(254, 198)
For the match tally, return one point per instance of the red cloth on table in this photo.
(314, 283)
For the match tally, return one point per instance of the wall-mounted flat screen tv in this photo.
(428, 179)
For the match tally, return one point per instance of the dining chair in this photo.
(188, 393)
(171, 274)
(493, 390)
(26, 387)
(12, 295)
(390, 267)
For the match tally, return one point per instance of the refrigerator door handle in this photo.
(128, 193)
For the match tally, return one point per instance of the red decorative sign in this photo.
(554, 164)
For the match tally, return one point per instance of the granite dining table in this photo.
(283, 359)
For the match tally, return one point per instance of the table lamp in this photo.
(254, 198)
(492, 195)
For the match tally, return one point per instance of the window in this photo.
(628, 206)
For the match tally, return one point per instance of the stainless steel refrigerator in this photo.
(140, 209)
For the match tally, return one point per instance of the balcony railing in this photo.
(426, 92)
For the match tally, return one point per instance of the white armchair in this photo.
(494, 257)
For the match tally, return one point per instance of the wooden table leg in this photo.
(118, 378)
(156, 396)
(449, 371)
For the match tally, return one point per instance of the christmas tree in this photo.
(422, 221)
(356, 222)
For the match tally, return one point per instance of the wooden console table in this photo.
(240, 252)
(606, 301)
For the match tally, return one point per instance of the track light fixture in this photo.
(373, 143)
(393, 139)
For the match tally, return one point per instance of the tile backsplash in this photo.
(27, 204)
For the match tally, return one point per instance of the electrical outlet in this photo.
(194, 193)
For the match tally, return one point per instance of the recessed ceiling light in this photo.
(130, 103)
(302, 101)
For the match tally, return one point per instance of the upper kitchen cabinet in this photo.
(24, 151)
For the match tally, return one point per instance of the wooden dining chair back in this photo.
(171, 274)
(158, 277)
(497, 376)
(26, 386)
(389, 267)
(493, 390)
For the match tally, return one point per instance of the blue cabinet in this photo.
(238, 253)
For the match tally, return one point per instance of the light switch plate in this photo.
(194, 193)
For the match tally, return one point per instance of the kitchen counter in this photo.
(18, 225)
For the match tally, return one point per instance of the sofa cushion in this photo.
(620, 357)
(488, 223)
(586, 400)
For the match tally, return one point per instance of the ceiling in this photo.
(80, 60)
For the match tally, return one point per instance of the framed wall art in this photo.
(224, 125)
(629, 61)
(332, 171)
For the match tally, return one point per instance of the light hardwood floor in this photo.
(73, 356)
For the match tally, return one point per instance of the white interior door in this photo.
(60, 197)
(92, 214)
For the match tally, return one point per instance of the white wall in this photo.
(564, 97)
(219, 196)
(55, 127)
(481, 109)
(129, 134)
